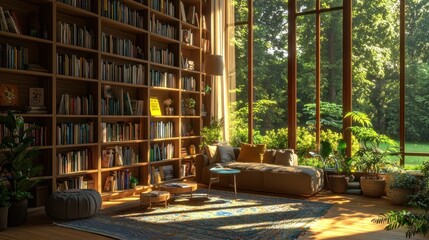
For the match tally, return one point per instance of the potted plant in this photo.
(371, 159)
(190, 104)
(212, 133)
(4, 205)
(338, 162)
(416, 222)
(133, 182)
(401, 186)
(17, 165)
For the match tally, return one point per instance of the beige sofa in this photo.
(266, 176)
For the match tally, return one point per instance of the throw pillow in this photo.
(225, 154)
(211, 151)
(251, 153)
(285, 157)
(269, 156)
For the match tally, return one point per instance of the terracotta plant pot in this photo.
(18, 213)
(372, 187)
(337, 183)
(399, 196)
(3, 218)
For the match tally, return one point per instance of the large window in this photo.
(390, 76)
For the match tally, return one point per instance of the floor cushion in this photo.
(73, 204)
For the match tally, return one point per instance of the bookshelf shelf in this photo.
(64, 57)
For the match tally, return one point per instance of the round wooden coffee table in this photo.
(179, 188)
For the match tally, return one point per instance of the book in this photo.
(3, 22)
(190, 15)
(10, 22)
(182, 11)
(16, 21)
(128, 109)
(155, 109)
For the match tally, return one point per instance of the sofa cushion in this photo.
(212, 155)
(251, 153)
(269, 156)
(225, 154)
(285, 157)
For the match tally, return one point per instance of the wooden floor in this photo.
(349, 218)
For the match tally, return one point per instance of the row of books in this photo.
(123, 131)
(39, 134)
(75, 133)
(162, 79)
(73, 161)
(191, 16)
(124, 73)
(118, 180)
(117, 103)
(161, 173)
(9, 22)
(164, 6)
(118, 11)
(162, 56)
(163, 29)
(187, 169)
(81, 182)
(161, 130)
(73, 35)
(75, 66)
(79, 105)
(189, 83)
(13, 57)
(123, 47)
(118, 156)
(83, 4)
(161, 152)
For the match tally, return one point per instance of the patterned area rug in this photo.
(217, 217)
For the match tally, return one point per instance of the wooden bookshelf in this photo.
(98, 69)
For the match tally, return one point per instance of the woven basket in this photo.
(372, 187)
(337, 183)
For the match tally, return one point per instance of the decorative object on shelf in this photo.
(169, 110)
(133, 182)
(190, 104)
(155, 109)
(36, 97)
(8, 95)
(214, 65)
(192, 149)
(17, 165)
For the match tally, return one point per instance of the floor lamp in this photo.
(213, 67)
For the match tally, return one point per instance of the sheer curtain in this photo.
(220, 103)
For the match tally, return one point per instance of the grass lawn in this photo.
(414, 162)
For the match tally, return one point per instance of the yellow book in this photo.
(155, 109)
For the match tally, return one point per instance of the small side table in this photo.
(214, 177)
(154, 197)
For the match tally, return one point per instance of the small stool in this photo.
(154, 197)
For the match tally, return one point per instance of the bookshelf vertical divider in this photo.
(78, 55)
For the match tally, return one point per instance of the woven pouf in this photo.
(154, 197)
(73, 204)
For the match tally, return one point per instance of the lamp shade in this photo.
(214, 65)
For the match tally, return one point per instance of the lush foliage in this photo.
(403, 181)
(4, 196)
(371, 158)
(212, 133)
(17, 164)
(375, 66)
(414, 222)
